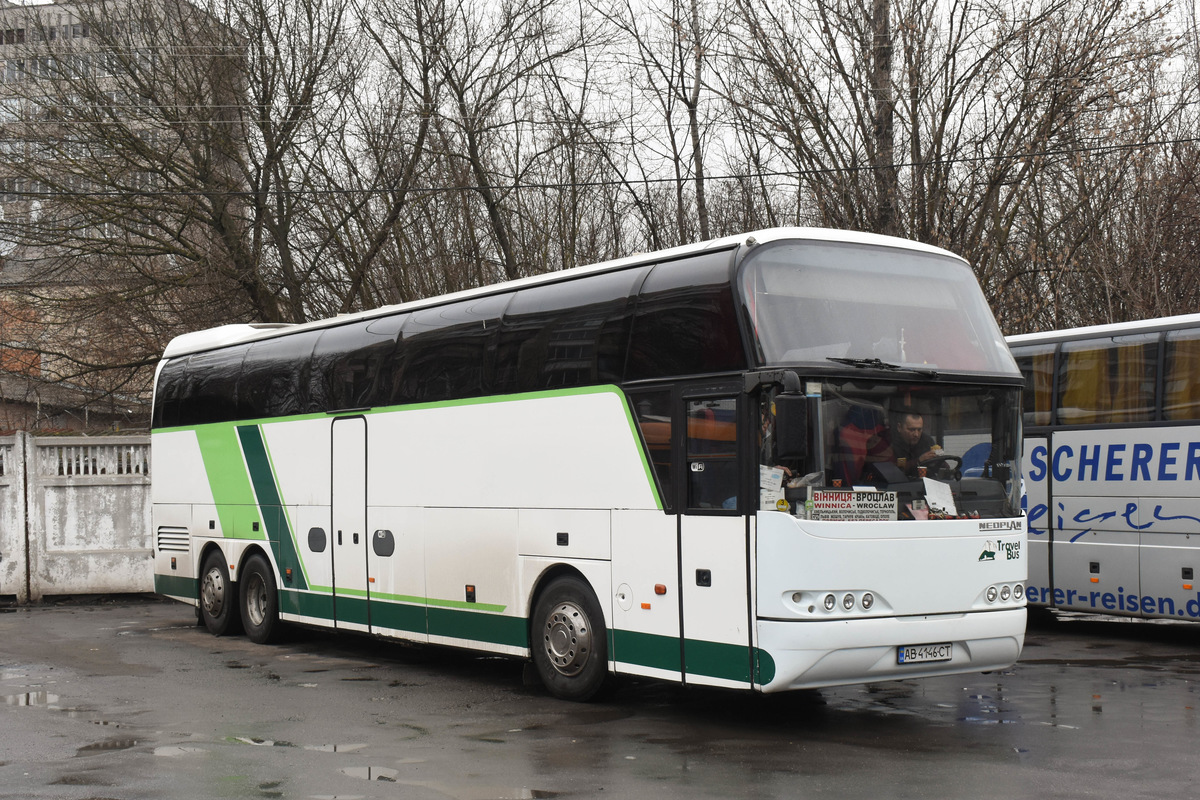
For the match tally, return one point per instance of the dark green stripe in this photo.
(270, 504)
(646, 649)
(351, 609)
(492, 628)
(306, 604)
(398, 616)
(711, 659)
(717, 660)
(764, 667)
(176, 586)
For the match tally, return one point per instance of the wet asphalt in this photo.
(128, 699)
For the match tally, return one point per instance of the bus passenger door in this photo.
(714, 546)
(349, 522)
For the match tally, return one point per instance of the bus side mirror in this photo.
(791, 427)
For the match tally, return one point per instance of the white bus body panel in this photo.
(645, 553)
(928, 581)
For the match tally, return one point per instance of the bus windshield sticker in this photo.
(851, 506)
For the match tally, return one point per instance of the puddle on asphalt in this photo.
(335, 748)
(371, 773)
(106, 746)
(35, 699)
(176, 750)
(257, 742)
(465, 791)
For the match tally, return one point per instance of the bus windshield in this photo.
(928, 450)
(811, 301)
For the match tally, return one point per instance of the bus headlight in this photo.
(868, 600)
(830, 602)
(848, 602)
(1004, 593)
(991, 594)
(1018, 591)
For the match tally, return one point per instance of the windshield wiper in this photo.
(875, 363)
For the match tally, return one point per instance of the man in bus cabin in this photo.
(910, 444)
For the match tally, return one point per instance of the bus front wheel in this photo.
(260, 600)
(218, 597)
(569, 641)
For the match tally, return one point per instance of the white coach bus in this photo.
(677, 465)
(1112, 467)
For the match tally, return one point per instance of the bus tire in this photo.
(260, 600)
(218, 597)
(569, 640)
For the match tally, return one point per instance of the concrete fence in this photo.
(74, 515)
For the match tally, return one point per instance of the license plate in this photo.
(924, 653)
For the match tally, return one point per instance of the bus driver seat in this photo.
(862, 438)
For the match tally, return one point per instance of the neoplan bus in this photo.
(673, 465)
(1112, 467)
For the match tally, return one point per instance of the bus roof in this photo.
(1113, 329)
(212, 338)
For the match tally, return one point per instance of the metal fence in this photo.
(74, 515)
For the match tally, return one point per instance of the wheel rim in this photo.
(212, 592)
(568, 639)
(256, 599)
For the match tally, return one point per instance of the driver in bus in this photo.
(910, 444)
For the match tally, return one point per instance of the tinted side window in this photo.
(1037, 366)
(172, 380)
(652, 410)
(210, 391)
(447, 352)
(712, 475)
(346, 364)
(275, 376)
(1181, 386)
(685, 322)
(566, 334)
(1108, 380)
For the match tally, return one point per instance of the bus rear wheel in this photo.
(218, 597)
(260, 600)
(569, 640)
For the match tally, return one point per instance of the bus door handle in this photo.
(339, 537)
(355, 535)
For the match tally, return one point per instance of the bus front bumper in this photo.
(811, 655)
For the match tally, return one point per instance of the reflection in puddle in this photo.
(371, 773)
(105, 746)
(39, 699)
(463, 791)
(257, 742)
(335, 748)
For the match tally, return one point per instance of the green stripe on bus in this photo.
(399, 617)
(764, 667)
(408, 598)
(716, 660)
(226, 472)
(307, 604)
(646, 649)
(270, 503)
(478, 627)
(176, 586)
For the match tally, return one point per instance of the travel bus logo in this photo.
(1009, 551)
